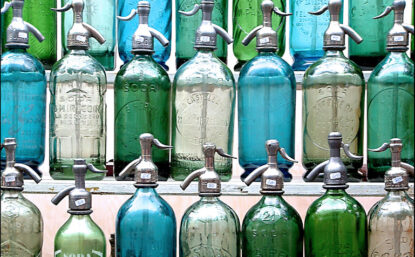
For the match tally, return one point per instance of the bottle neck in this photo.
(14, 194)
(264, 52)
(395, 194)
(336, 192)
(272, 199)
(334, 53)
(17, 50)
(78, 52)
(209, 199)
(145, 192)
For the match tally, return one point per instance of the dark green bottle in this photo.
(335, 224)
(272, 227)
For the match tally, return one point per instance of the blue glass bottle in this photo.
(159, 18)
(23, 92)
(146, 224)
(266, 98)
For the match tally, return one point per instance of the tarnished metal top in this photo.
(272, 179)
(143, 38)
(209, 181)
(266, 37)
(12, 175)
(79, 197)
(207, 31)
(398, 36)
(334, 37)
(79, 34)
(396, 178)
(145, 171)
(18, 30)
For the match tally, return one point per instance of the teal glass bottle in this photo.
(272, 227)
(333, 86)
(77, 117)
(246, 14)
(203, 102)
(335, 223)
(390, 98)
(100, 15)
(141, 99)
(209, 227)
(80, 235)
(145, 210)
(269, 79)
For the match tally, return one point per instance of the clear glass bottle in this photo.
(266, 98)
(390, 98)
(272, 227)
(160, 19)
(246, 14)
(21, 220)
(209, 227)
(77, 103)
(141, 99)
(335, 86)
(186, 26)
(80, 235)
(203, 102)
(391, 220)
(101, 15)
(146, 210)
(23, 92)
(335, 224)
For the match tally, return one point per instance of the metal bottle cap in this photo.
(207, 31)
(272, 179)
(145, 171)
(398, 38)
(79, 197)
(12, 177)
(18, 30)
(266, 36)
(334, 37)
(396, 178)
(335, 173)
(143, 36)
(79, 34)
(209, 181)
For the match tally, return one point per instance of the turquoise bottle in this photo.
(266, 98)
(272, 227)
(335, 224)
(209, 227)
(390, 97)
(145, 211)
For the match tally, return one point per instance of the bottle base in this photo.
(367, 63)
(181, 61)
(31, 164)
(163, 170)
(303, 64)
(181, 169)
(62, 170)
(251, 167)
(107, 60)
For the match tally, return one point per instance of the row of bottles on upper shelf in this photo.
(335, 224)
(306, 34)
(203, 98)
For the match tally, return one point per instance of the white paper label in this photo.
(204, 39)
(336, 175)
(140, 39)
(22, 35)
(271, 182)
(10, 179)
(398, 38)
(81, 38)
(212, 185)
(145, 175)
(397, 180)
(80, 202)
(336, 38)
(264, 40)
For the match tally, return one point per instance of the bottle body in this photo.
(23, 106)
(335, 225)
(272, 228)
(203, 108)
(21, 226)
(155, 219)
(209, 228)
(373, 48)
(246, 16)
(266, 109)
(101, 16)
(390, 111)
(159, 19)
(142, 105)
(186, 27)
(333, 86)
(77, 114)
(38, 13)
(80, 236)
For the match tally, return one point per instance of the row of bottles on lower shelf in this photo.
(335, 224)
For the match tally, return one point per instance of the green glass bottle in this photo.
(272, 227)
(335, 224)
(38, 13)
(246, 14)
(141, 99)
(80, 235)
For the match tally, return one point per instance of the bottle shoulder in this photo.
(266, 66)
(20, 204)
(392, 207)
(72, 64)
(21, 62)
(393, 67)
(217, 210)
(74, 222)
